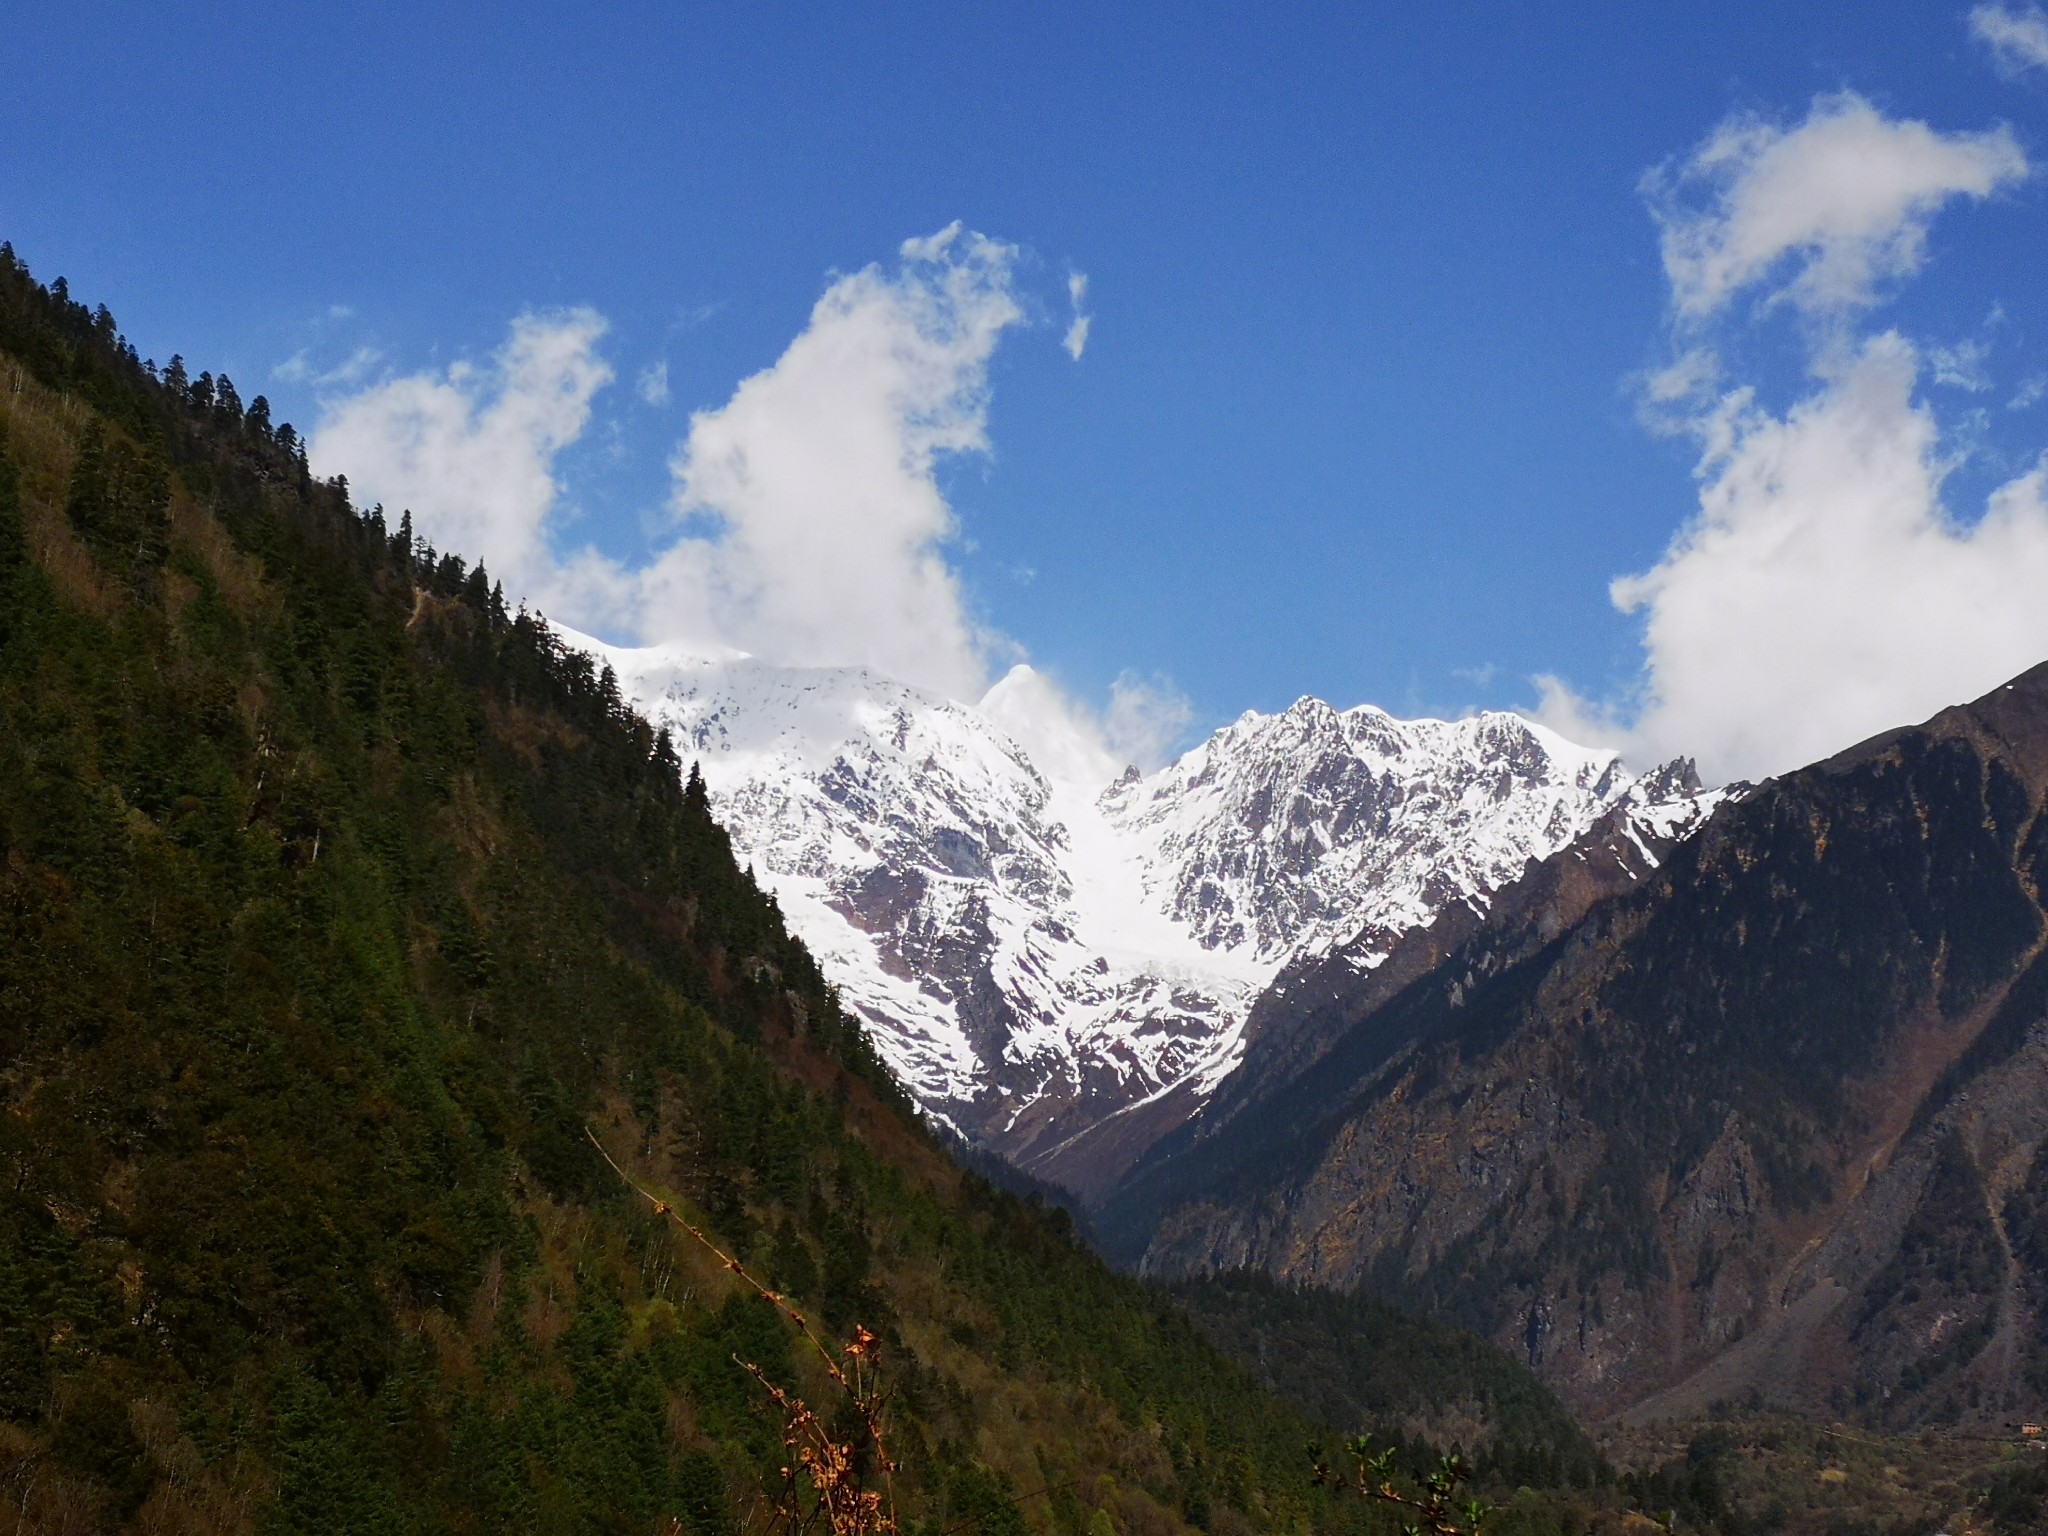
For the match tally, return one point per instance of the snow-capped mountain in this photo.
(1037, 950)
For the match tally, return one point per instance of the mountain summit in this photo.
(1061, 968)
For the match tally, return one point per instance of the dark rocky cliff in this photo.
(1773, 1118)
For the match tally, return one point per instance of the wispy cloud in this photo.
(1076, 339)
(2018, 39)
(652, 385)
(1824, 591)
(1832, 206)
(299, 368)
(1146, 722)
(1962, 366)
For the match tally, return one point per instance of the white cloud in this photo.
(1063, 740)
(2018, 39)
(470, 450)
(1834, 205)
(808, 524)
(2029, 393)
(1146, 723)
(819, 477)
(1147, 720)
(351, 369)
(652, 384)
(1076, 339)
(1824, 591)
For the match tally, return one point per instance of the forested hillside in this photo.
(337, 900)
(337, 903)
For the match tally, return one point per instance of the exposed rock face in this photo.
(1061, 969)
(1773, 1117)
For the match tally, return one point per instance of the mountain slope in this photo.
(1060, 970)
(1771, 1119)
(335, 903)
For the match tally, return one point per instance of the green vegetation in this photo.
(1358, 1363)
(335, 902)
(1757, 1472)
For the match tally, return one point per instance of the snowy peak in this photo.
(1062, 971)
(1288, 832)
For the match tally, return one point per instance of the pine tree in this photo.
(89, 504)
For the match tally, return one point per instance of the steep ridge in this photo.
(1059, 970)
(1773, 1119)
(1314, 1017)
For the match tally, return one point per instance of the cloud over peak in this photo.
(806, 522)
(1823, 591)
(819, 477)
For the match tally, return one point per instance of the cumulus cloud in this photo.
(807, 522)
(1824, 591)
(470, 449)
(827, 527)
(1834, 205)
(1076, 339)
(2018, 39)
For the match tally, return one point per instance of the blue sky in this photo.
(1373, 289)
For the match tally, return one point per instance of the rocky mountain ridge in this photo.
(1772, 1119)
(1061, 968)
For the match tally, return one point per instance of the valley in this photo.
(1647, 1142)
